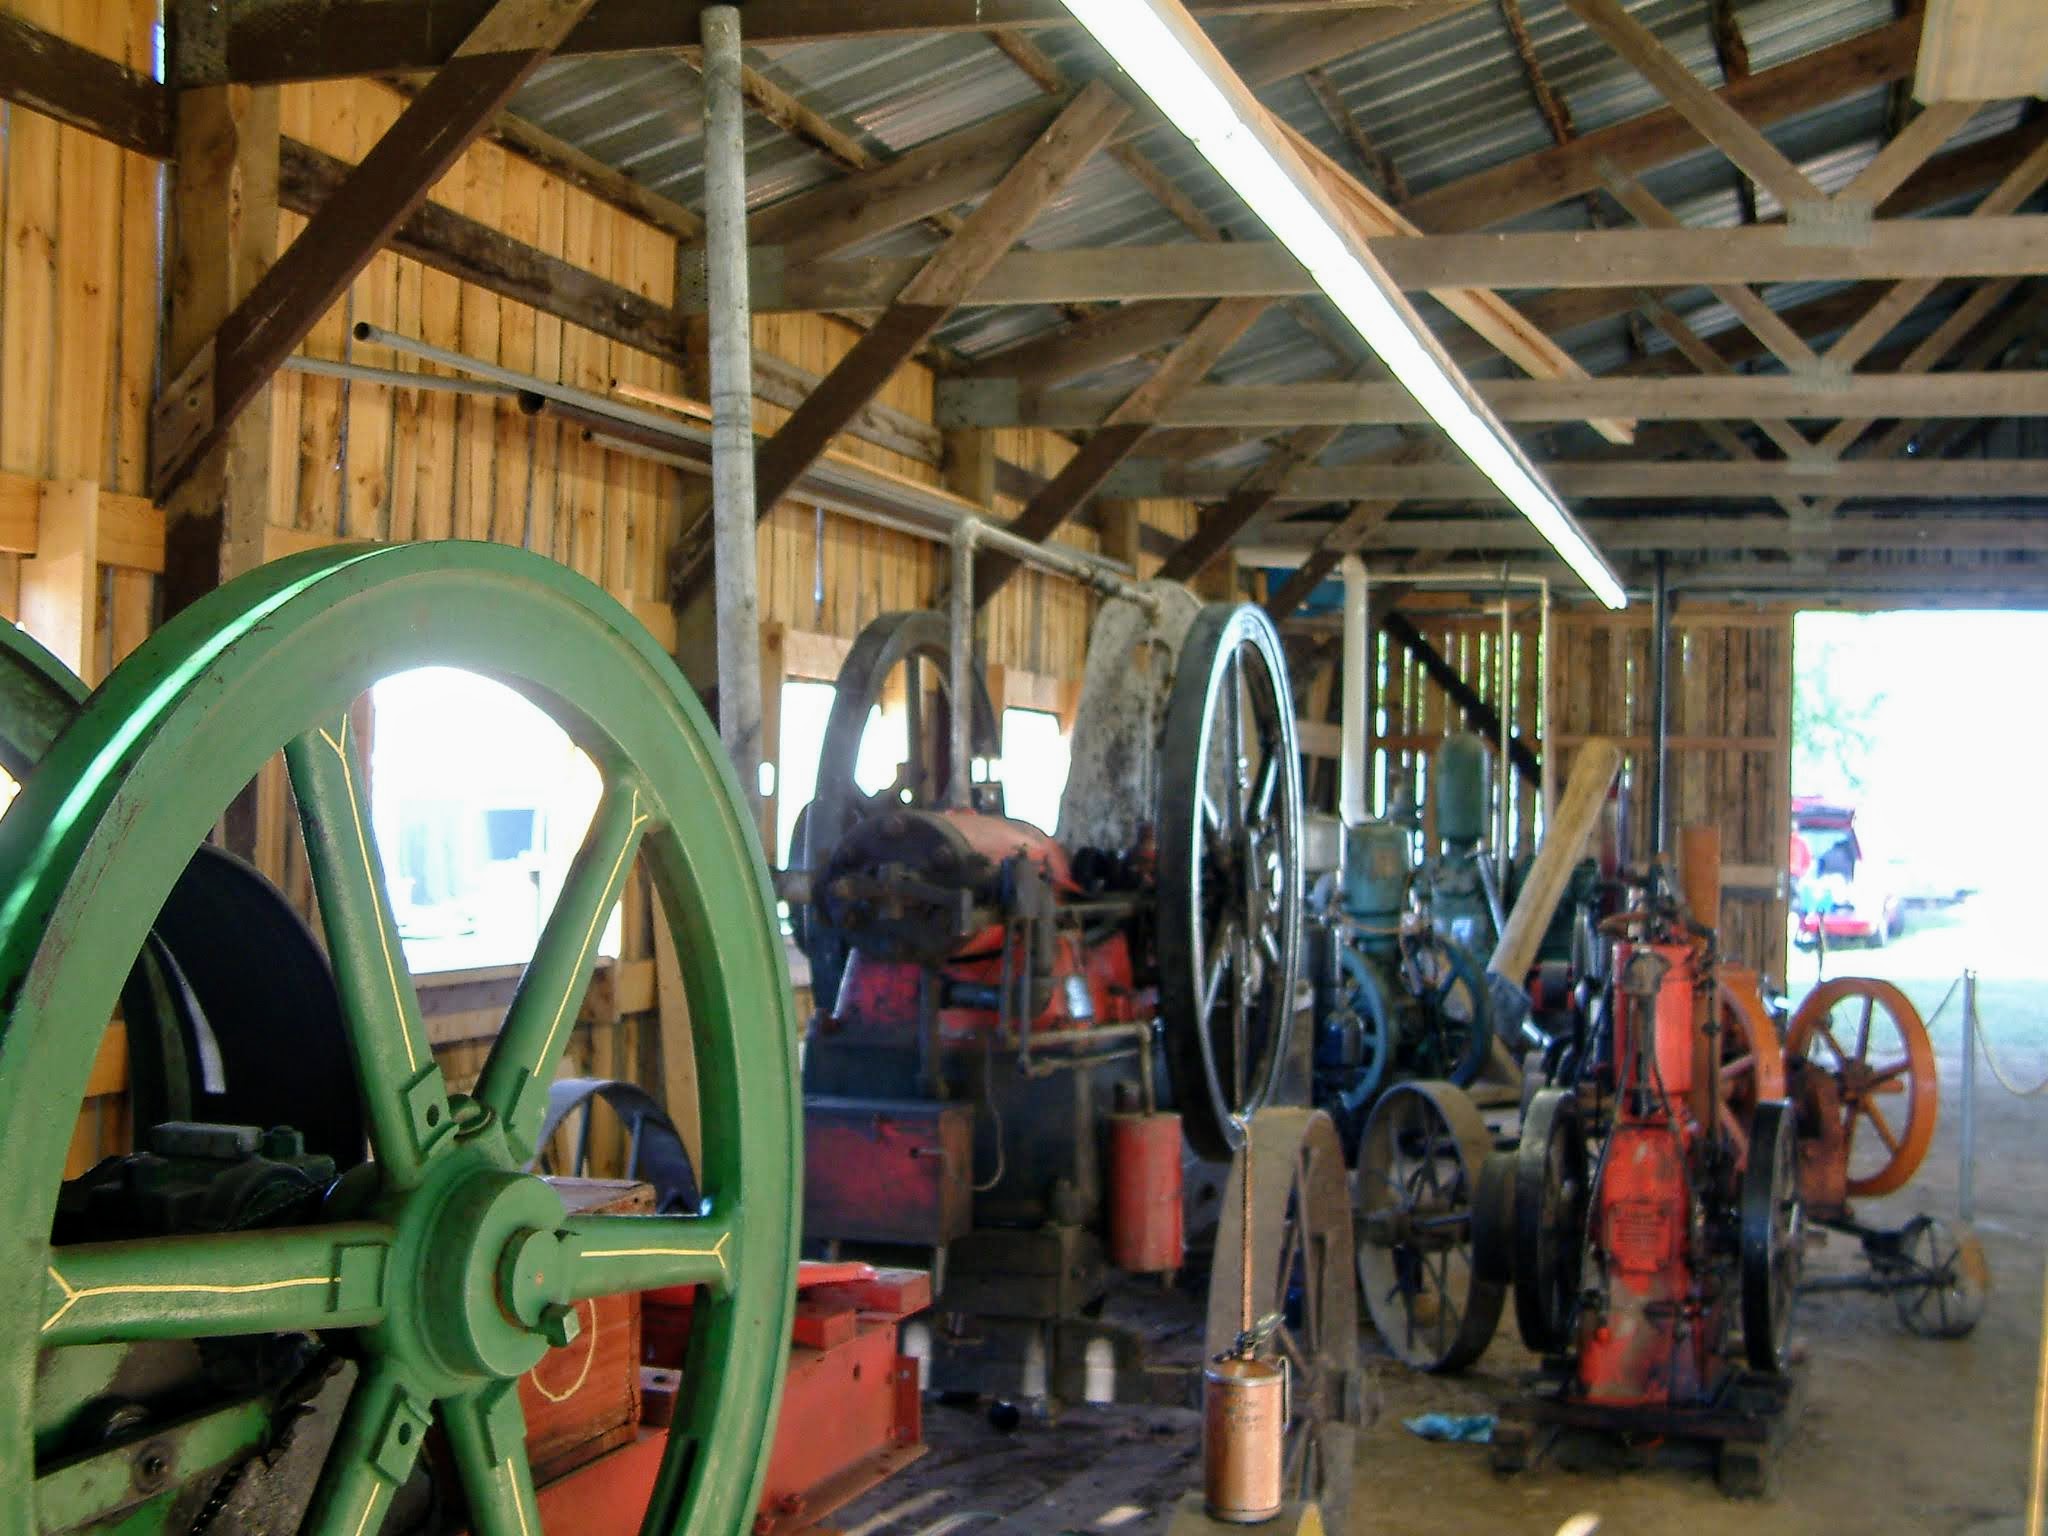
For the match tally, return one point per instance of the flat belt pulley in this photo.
(441, 1265)
(915, 641)
(1230, 879)
(230, 1008)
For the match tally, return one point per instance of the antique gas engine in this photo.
(1019, 1037)
(1655, 1213)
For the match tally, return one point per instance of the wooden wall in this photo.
(1729, 746)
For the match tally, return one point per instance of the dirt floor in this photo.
(1899, 1435)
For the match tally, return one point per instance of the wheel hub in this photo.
(489, 1268)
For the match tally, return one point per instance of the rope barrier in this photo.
(1997, 1072)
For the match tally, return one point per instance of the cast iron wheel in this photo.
(202, 1002)
(444, 1266)
(1456, 1035)
(1948, 1260)
(1419, 1168)
(1551, 1196)
(913, 641)
(1364, 1004)
(1752, 1059)
(1301, 1277)
(1230, 886)
(1869, 1036)
(1773, 1236)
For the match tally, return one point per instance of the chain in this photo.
(1991, 1061)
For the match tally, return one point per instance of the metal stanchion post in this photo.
(1966, 1176)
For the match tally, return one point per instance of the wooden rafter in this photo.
(258, 46)
(1372, 160)
(351, 227)
(1537, 181)
(1682, 534)
(1242, 508)
(58, 78)
(1689, 397)
(1348, 534)
(1709, 112)
(942, 281)
(1122, 429)
(1916, 479)
(1893, 249)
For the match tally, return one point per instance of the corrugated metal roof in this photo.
(1443, 102)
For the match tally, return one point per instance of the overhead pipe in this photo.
(1354, 746)
(960, 640)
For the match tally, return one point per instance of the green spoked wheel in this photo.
(38, 697)
(446, 1266)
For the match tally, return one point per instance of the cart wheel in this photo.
(1551, 1192)
(1752, 1060)
(1948, 1305)
(1301, 1247)
(1870, 1038)
(1418, 1176)
(1773, 1236)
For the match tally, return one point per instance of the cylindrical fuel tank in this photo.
(1672, 1034)
(1145, 1235)
(1458, 788)
(1244, 1426)
(1377, 863)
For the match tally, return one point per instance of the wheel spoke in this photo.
(522, 1063)
(487, 1434)
(1887, 1079)
(403, 1093)
(1740, 1067)
(1882, 1126)
(1240, 982)
(374, 1450)
(1863, 1027)
(1842, 1057)
(616, 1254)
(288, 1280)
(1263, 788)
(1221, 948)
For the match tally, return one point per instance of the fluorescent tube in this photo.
(1159, 46)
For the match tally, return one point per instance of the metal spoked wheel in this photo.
(1361, 1027)
(1456, 1034)
(1752, 1060)
(1552, 1188)
(1773, 1236)
(1301, 1279)
(1230, 884)
(917, 642)
(1950, 1276)
(1869, 1037)
(203, 1034)
(440, 1269)
(1419, 1168)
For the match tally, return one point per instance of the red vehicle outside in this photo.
(1837, 890)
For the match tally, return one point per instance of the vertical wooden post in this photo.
(60, 584)
(224, 238)
(1123, 532)
(970, 465)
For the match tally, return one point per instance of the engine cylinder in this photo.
(1377, 863)
(1458, 788)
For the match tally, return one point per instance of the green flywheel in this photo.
(444, 1269)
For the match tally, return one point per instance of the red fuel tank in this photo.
(1145, 1193)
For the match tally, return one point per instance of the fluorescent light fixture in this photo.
(1159, 45)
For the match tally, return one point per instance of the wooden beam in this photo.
(60, 586)
(1911, 148)
(450, 242)
(1347, 535)
(1983, 50)
(1708, 111)
(1123, 428)
(1100, 341)
(1486, 313)
(1281, 47)
(1537, 181)
(1677, 480)
(1372, 160)
(1739, 397)
(1681, 534)
(393, 179)
(1061, 147)
(1222, 525)
(1479, 715)
(48, 74)
(936, 176)
(1615, 258)
(305, 40)
(2018, 185)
